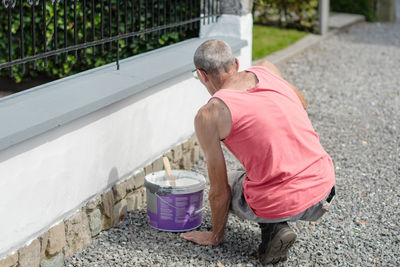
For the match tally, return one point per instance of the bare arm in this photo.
(272, 68)
(206, 125)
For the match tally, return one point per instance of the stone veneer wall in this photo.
(101, 213)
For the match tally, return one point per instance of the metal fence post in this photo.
(323, 14)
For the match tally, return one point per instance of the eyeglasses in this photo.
(194, 72)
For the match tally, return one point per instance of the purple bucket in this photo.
(175, 208)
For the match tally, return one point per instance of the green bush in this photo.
(363, 7)
(297, 14)
(73, 62)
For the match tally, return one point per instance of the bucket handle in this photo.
(172, 206)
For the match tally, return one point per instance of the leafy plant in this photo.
(297, 14)
(46, 32)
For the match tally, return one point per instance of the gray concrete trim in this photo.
(40, 109)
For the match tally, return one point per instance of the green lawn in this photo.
(267, 40)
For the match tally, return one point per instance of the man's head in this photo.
(213, 59)
(214, 56)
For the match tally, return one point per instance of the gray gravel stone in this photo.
(352, 85)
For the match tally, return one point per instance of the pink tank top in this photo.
(287, 169)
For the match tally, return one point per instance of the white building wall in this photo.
(53, 174)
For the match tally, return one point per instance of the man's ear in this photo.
(237, 64)
(202, 74)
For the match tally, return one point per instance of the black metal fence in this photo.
(38, 33)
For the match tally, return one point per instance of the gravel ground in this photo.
(352, 84)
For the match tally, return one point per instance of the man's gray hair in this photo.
(214, 56)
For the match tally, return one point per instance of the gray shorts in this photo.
(240, 208)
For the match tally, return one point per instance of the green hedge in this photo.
(91, 57)
(363, 7)
(297, 14)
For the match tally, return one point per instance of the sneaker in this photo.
(276, 238)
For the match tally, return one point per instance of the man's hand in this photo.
(201, 238)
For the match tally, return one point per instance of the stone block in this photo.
(136, 181)
(95, 224)
(56, 261)
(130, 184)
(136, 199)
(30, 255)
(56, 239)
(43, 239)
(131, 201)
(195, 154)
(187, 161)
(94, 203)
(10, 261)
(108, 209)
(176, 165)
(119, 191)
(177, 153)
(158, 165)
(148, 169)
(188, 145)
(120, 211)
(77, 233)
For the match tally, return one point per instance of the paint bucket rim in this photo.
(152, 180)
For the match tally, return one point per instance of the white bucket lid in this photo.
(186, 182)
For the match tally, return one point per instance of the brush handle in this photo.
(167, 167)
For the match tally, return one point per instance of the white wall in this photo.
(45, 179)
(56, 172)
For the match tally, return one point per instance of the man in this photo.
(262, 120)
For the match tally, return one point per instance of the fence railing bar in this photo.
(170, 14)
(146, 8)
(209, 10)
(181, 13)
(158, 17)
(93, 28)
(165, 15)
(204, 12)
(65, 29)
(10, 39)
(21, 23)
(55, 27)
(109, 21)
(102, 24)
(132, 19)
(152, 17)
(45, 31)
(84, 25)
(117, 42)
(197, 10)
(125, 15)
(33, 35)
(75, 29)
(139, 12)
(213, 11)
(218, 10)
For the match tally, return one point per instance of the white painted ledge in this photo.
(40, 109)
